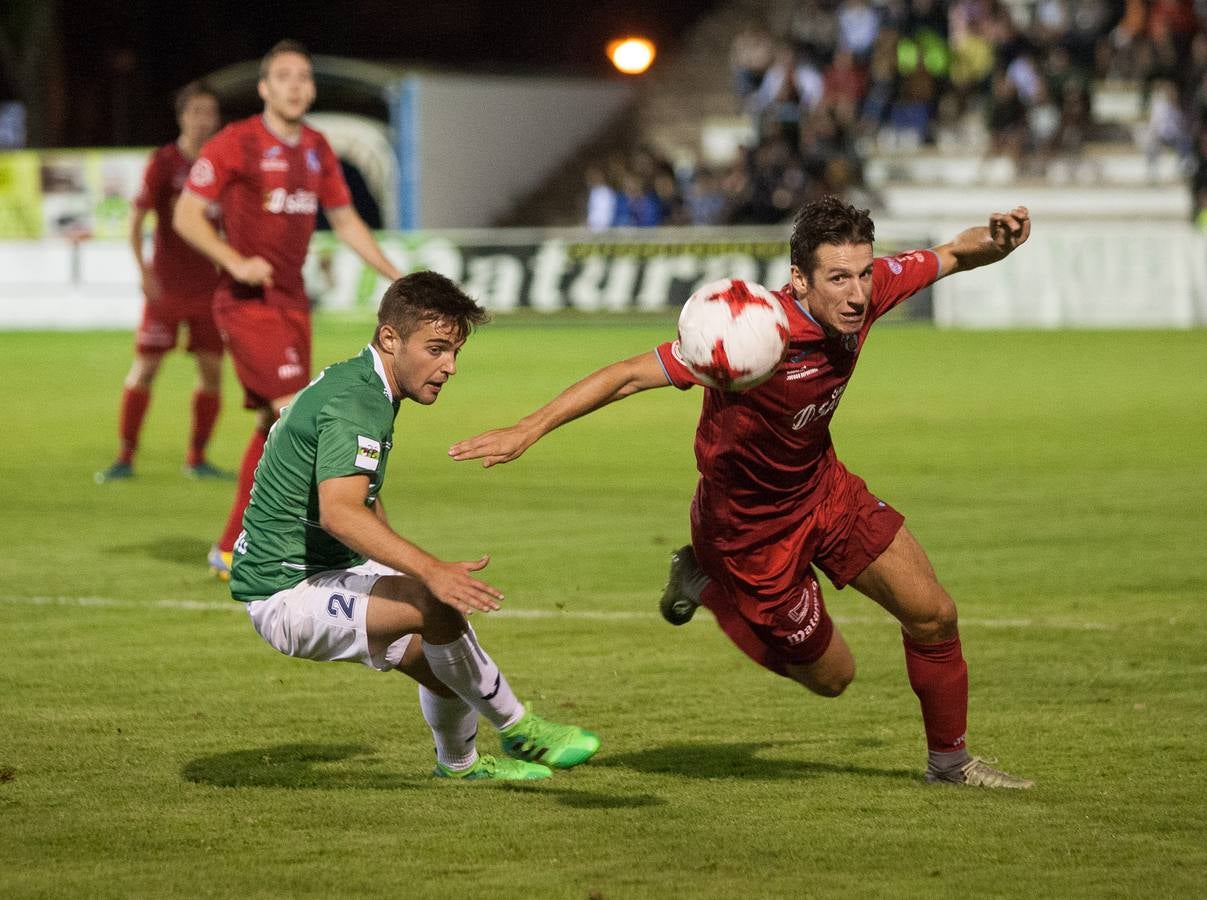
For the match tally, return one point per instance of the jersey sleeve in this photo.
(214, 168)
(897, 278)
(351, 440)
(153, 180)
(677, 372)
(333, 189)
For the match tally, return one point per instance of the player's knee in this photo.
(829, 682)
(940, 623)
(834, 683)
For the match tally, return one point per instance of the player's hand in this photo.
(453, 584)
(498, 446)
(1009, 231)
(151, 288)
(253, 270)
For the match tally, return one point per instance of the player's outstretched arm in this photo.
(607, 385)
(350, 228)
(344, 516)
(983, 245)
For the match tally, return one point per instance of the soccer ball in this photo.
(733, 334)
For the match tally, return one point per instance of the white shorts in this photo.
(323, 618)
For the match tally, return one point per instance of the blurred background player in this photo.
(178, 287)
(326, 578)
(773, 500)
(270, 173)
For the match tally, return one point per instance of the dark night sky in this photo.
(123, 58)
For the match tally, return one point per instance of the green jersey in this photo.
(342, 423)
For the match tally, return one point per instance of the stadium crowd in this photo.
(826, 83)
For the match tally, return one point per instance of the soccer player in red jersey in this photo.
(773, 501)
(270, 172)
(178, 286)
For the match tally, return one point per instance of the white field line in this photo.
(511, 613)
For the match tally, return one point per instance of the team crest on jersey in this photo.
(368, 453)
(894, 266)
(312, 160)
(202, 173)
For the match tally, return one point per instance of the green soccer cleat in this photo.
(119, 471)
(978, 773)
(558, 746)
(203, 471)
(676, 607)
(220, 562)
(491, 768)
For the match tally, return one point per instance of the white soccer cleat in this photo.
(978, 773)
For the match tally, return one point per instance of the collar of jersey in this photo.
(380, 369)
(276, 137)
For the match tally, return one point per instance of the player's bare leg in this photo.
(206, 403)
(903, 581)
(829, 675)
(136, 397)
(451, 655)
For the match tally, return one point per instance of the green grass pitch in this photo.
(152, 746)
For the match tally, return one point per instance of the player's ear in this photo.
(262, 90)
(800, 283)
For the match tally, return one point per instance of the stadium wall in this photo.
(1079, 275)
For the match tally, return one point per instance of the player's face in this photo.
(426, 360)
(199, 119)
(287, 89)
(840, 290)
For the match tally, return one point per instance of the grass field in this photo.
(152, 746)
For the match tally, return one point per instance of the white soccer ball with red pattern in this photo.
(733, 334)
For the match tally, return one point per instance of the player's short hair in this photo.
(427, 297)
(828, 220)
(188, 92)
(286, 46)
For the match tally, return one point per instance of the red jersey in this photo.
(765, 455)
(270, 192)
(182, 271)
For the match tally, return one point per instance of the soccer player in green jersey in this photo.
(326, 578)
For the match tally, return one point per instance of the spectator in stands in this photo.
(705, 200)
(750, 56)
(1166, 126)
(601, 200)
(1007, 119)
(637, 205)
(792, 88)
(858, 24)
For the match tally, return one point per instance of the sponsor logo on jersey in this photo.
(300, 202)
(287, 371)
(803, 373)
(368, 453)
(274, 164)
(817, 410)
(202, 173)
(312, 160)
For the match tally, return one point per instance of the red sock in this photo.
(939, 676)
(205, 414)
(135, 401)
(247, 472)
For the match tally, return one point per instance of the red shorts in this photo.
(161, 320)
(767, 597)
(270, 347)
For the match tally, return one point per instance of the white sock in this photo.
(454, 725)
(464, 666)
